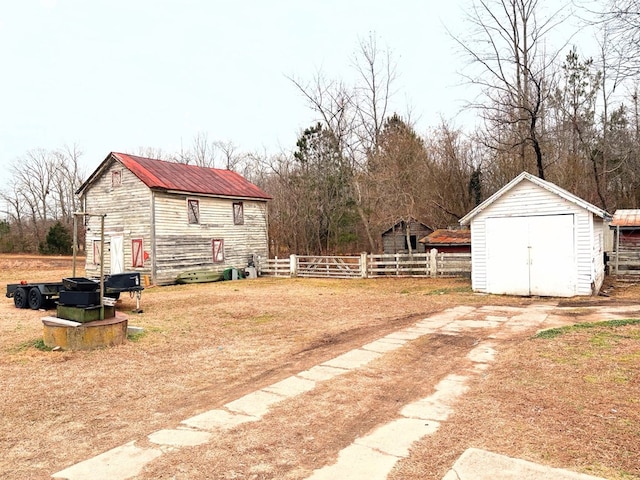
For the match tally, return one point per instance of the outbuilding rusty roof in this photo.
(626, 218)
(179, 177)
(445, 236)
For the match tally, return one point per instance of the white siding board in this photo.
(479, 256)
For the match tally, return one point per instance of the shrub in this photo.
(58, 241)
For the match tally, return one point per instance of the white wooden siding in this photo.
(181, 246)
(127, 209)
(161, 221)
(527, 199)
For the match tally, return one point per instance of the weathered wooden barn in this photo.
(164, 218)
(625, 229)
(404, 234)
(534, 238)
(448, 240)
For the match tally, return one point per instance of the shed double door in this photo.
(532, 255)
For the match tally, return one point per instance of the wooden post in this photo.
(293, 265)
(102, 267)
(433, 262)
(363, 265)
(617, 246)
(75, 242)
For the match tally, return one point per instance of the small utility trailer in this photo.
(38, 295)
(33, 295)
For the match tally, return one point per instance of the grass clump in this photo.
(37, 343)
(556, 332)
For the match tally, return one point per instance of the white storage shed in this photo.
(534, 238)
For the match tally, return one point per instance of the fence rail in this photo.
(624, 263)
(431, 264)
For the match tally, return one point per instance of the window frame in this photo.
(116, 178)
(217, 250)
(238, 213)
(140, 249)
(193, 215)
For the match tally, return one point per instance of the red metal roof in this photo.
(159, 174)
(626, 218)
(444, 236)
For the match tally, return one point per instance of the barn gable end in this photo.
(394, 239)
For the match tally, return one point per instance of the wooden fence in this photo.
(624, 263)
(431, 264)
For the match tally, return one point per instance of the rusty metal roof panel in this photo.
(626, 218)
(163, 175)
(444, 236)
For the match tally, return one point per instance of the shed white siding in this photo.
(564, 241)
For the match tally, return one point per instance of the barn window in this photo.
(193, 211)
(218, 250)
(238, 213)
(96, 252)
(414, 242)
(137, 256)
(116, 178)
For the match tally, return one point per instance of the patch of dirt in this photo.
(208, 344)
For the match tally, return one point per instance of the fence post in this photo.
(433, 262)
(293, 265)
(363, 265)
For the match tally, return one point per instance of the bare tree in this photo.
(231, 157)
(376, 72)
(67, 179)
(507, 44)
(203, 152)
(355, 117)
(621, 20)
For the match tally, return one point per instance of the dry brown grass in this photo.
(211, 343)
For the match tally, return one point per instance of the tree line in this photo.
(361, 167)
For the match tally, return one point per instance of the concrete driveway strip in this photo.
(122, 462)
(475, 464)
(373, 456)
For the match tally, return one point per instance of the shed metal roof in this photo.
(180, 177)
(561, 192)
(626, 218)
(446, 236)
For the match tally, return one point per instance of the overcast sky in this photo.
(116, 75)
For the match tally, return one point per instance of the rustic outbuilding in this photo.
(164, 218)
(404, 235)
(534, 238)
(448, 240)
(625, 229)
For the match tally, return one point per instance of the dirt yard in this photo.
(571, 401)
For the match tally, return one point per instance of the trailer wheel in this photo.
(35, 299)
(20, 298)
